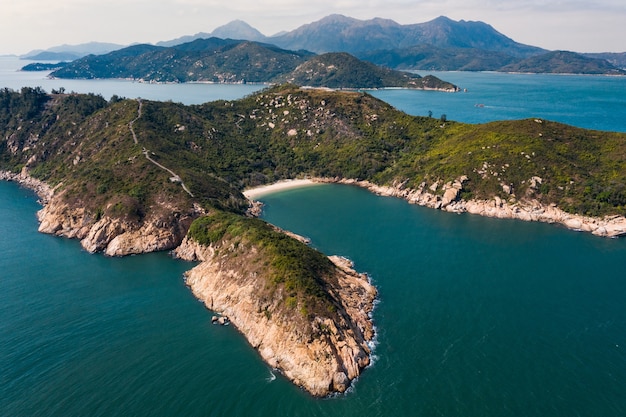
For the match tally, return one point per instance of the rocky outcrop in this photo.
(528, 209)
(322, 356)
(114, 236)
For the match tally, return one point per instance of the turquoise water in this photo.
(592, 102)
(85, 335)
(477, 317)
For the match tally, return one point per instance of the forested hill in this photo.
(209, 60)
(229, 61)
(83, 143)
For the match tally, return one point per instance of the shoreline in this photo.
(527, 210)
(612, 226)
(43, 191)
(281, 185)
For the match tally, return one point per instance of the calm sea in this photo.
(592, 102)
(477, 317)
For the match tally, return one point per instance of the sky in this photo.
(574, 25)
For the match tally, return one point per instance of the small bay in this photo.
(477, 316)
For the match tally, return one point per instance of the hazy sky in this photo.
(575, 25)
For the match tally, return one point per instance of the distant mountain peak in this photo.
(79, 50)
(336, 32)
(445, 19)
(238, 29)
(334, 18)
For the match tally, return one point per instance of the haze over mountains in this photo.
(71, 52)
(440, 44)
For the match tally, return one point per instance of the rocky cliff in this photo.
(322, 355)
(115, 236)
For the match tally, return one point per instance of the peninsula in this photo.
(129, 176)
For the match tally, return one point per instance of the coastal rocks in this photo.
(113, 236)
(323, 355)
(221, 320)
(452, 191)
(255, 209)
(152, 236)
(528, 209)
(43, 190)
(532, 210)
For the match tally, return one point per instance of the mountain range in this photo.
(440, 44)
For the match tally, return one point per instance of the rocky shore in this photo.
(527, 209)
(322, 357)
(43, 190)
(114, 236)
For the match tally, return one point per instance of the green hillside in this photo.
(84, 147)
(342, 70)
(219, 148)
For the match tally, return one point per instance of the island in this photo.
(218, 60)
(134, 176)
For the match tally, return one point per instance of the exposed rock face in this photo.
(528, 209)
(323, 356)
(113, 236)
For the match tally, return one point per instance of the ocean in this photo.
(476, 316)
(592, 102)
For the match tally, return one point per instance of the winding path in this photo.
(174, 176)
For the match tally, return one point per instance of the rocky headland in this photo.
(115, 236)
(323, 355)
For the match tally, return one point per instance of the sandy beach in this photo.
(253, 193)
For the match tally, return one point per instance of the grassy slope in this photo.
(300, 276)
